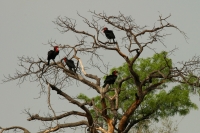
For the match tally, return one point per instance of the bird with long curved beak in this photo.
(52, 54)
(110, 79)
(70, 64)
(109, 34)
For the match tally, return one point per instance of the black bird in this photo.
(70, 64)
(52, 54)
(136, 97)
(110, 79)
(109, 34)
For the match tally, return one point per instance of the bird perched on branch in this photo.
(110, 79)
(70, 64)
(136, 97)
(109, 34)
(52, 54)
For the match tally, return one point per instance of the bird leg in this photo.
(70, 69)
(114, 41)
(48, 62)
(54, 61)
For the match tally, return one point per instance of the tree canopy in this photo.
(162, 103)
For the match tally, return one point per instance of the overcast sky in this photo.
(25, 26)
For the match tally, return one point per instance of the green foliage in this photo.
(160, 103)
(192, 80)
(83, 97)
(166, 104)
(147, 126)
(144, 66)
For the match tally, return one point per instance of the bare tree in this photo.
(136, 38)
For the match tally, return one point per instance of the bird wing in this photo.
(110, 34)
(110, 79)
(50, 54)
(107, 79)
(70, 63)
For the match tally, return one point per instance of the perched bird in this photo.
(136, 97)
(52, 54)
(70, 64)
(109, 34)
(110, 79)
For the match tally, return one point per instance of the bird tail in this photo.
(104, 85)
(74, 70)
(48, 62)
(70, 69)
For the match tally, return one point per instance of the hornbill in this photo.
(52, 54)
(70, 64)
(110, 79)
(109, 34)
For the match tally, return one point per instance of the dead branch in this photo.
(14, 128)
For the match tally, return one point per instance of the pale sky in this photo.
(26, 25)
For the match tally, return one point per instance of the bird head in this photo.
(56, 48)
(114, 72)
(65, 59)
(105, 28)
